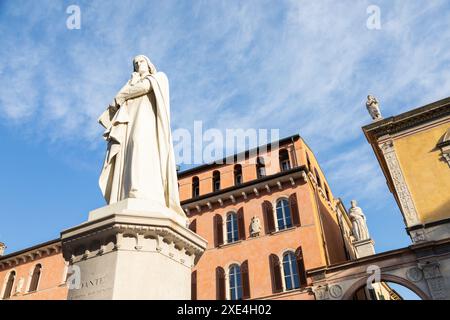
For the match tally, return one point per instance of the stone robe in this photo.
(360, 230)
(140, 161)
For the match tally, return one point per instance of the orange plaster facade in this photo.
(51, 284)
(318, 234)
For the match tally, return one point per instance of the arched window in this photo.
(319, 182)
(284, 160)
(284, 218)
(235, 282)
(195, 187)
(260, 167)
(35, 278)
(290, 270)
(9, 285)
(232, 227)
(237, 174)
(216, 181)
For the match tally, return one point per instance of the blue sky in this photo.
(299, 66)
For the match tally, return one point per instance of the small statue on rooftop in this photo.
(373, 108)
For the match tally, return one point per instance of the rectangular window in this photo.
(285, 165)
(261, 172)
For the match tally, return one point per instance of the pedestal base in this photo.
(131, 250)
(364, 248)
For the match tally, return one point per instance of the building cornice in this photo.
(407, 120)
(234, 193)
(30, 254)
(232, 158)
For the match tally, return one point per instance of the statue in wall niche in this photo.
(359, 224)
(20, 284)
(140, 161)
(373, 108)
(255, 227)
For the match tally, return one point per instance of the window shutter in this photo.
(35, 278)
(268, 215)
(193, 225)
(220, 284)
(194, 285)
(9, 285)
(301, 267)
(245, 280)
(293, 206)
(275, 269)
(241, 224)
(218, 230)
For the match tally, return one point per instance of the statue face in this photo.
(141, 65)
(353, 202)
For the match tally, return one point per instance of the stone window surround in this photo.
(227, 277)
(30, 277)
(283, 275)
(274, 212)
(225, 226)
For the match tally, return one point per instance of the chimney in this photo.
(2, 248)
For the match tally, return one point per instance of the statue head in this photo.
(353, 203)
(143, 65)
(371, 99)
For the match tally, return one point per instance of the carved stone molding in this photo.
(444, 145)
(414, 274)
(435, 280)
(403, 193)
(336, 291)
(321, 292)
(131, 238)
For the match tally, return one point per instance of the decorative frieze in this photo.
(131, 238)
(435, 280)
(403, 193)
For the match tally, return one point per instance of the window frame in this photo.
(293, 277)
(234, 228)
(237, 284)
(284, 215)
(284, 160)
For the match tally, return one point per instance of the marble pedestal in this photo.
(364, 248)
(132, 250)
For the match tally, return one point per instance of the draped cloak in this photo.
(140, 161)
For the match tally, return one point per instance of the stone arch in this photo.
(385, 278)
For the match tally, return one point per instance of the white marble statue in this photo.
(139, 160)
(373, 108)
(360, 230)
(255, 226)
(20, 284)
